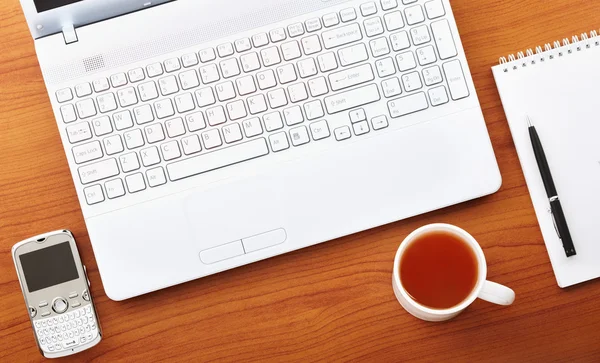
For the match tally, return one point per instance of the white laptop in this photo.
(205, 135)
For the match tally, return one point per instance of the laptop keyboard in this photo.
(261, 94)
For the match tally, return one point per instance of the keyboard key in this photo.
(209, 74)
(348, 14)
(319, 130)
(164, 108)
(270, 56)
(168, 85)
(216, 116)
(273, 121)
(135, 183)
(391, 87)
(114, 189)
(79, 132)
(195, 121)
(68, 113)
(242, 45)
(314, 110)
(207, 55)
(330, 20)
(297, 92)
(400, 41)
(123, 120)
(379, 47)
(327, 62)
(225, 91)
(184, 102)
(189, 79)
(393, 21)
(154, 133)
(352, 99)
(266, 79)
(129, 162)
(250, 62)
(127, 97)
(229, 68)
(312, 25)
(434, 9)
(94, 194)
(456, 80)
(279, 142)
(170, 150)
(148, 91)
(358, 115)
(150, 156)
(341, 36)
(293, 115)
(172, 65)
(414, 15)
(191, 145)
(296, 30)
(106, 102)
(299, 136)
(406, 61)
(143, 114)
(134, 139)
(277, 35)
(420, 35)
(379, 122)
(438, 96)
(257, 104)
(232, 133)
(252, 127)
(86, 108)
(407, 105)
(136, 75)
(412, 81)
(156, 177)
(353, 54)
(351, 77)
(311, 44)
(318, 86)
(286, 73)
(175, 127)
(236, 110)
(118, 80)
(426, 55)
(205, 97)
(154, 70)
(211, 140)
(102, 126)
(360, 128)
(373, 26)
(83, 89)
(307, 67)
(369, 8)
(291, 50)
(98, 171)
(189, 60)
(87, 152)
(432, 75)
(385, 67)
(389, 4)
(277, 98)
(260, 40)
(101, 84)
(113, 145)
(342, 133)
(444, 40)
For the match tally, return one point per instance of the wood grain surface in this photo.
(331, 302)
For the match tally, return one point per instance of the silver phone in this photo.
(56, 291)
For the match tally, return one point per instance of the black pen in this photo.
(560, 222)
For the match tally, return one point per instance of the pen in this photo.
(560, 222)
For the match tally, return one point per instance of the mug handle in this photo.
(497, 294)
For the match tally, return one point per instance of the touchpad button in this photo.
(264, 240)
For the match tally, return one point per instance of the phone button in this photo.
(85, 295)
(43, 303)
(32, 312)
(59, 305)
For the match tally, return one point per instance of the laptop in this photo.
(206, 135)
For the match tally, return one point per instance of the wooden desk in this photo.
(329, 302)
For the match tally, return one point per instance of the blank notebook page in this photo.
(561, 95)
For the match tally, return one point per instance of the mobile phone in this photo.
(56, 290)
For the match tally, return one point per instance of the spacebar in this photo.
(217, 159)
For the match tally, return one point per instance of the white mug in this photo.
(486, 290)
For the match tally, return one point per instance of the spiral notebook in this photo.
(558, 87)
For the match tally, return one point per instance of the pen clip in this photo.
(554, 223)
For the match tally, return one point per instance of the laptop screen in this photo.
(45, 5)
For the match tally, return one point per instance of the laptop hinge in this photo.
(69, 34)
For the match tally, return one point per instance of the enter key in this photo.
(351, 77)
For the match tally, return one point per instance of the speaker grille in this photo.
(93, 63)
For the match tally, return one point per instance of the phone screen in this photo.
(49, 266)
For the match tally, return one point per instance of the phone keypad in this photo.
(68, 330)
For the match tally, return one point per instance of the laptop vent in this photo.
(93, 63)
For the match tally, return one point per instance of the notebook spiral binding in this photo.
(551, 51)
